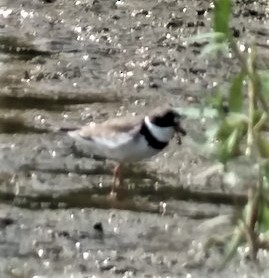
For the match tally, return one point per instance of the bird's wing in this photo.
(113, 132)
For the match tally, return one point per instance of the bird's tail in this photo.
(56, 129)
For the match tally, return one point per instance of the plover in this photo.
(130, 139)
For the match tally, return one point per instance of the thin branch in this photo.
(251, 103)
(252, 76)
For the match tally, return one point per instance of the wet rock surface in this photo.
(67, 63)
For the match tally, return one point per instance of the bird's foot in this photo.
(112, 195)
(119, 194)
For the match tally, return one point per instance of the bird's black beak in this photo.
(179, 131)
(178, 128)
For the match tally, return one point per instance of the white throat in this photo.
(163, 134)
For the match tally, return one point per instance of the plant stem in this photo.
(251, 104)
(252, 76)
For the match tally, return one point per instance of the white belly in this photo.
(134, 149)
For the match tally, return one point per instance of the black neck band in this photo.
(152, 141)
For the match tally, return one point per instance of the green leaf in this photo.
(264, 220)
(235, 119)
(207, 37)
(264, 78)
(233, 244)
(230, 147)
(260, 120)
(232, 121)
(263, 145)
(221, 16)
(214, 47)
(232, 142)
(236, 96)
(224, 131)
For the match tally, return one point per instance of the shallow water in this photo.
(67, 63)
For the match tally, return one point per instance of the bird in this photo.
(130, 139)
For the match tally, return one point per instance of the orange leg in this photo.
(116, 176)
